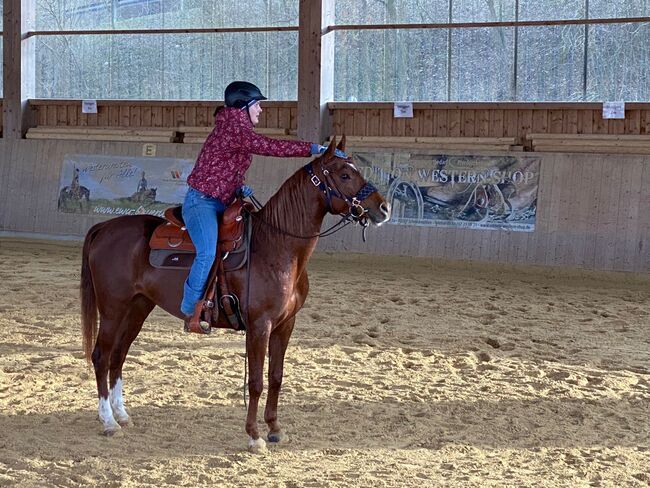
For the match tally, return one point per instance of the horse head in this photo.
(345, 188)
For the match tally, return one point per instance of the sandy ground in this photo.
(401, 372)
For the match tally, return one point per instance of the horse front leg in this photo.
(278, 343)
(257, 340)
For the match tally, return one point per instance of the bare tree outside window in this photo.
(470, 63)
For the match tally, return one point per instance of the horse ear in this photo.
(329, 154)
(341, 144)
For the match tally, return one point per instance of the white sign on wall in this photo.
(403, 109)
(613, 110)
(89, 106)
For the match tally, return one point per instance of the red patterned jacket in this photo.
(228, 152)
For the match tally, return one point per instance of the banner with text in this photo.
(118, 185)
(480, 192)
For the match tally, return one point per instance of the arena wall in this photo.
(593, 210)
(430, 119)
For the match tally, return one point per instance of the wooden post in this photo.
(315, 69)
(19, 67)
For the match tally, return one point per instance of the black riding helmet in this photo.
(240, 94)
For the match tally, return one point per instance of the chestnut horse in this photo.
(118, 282)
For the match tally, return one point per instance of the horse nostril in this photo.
(385, 207)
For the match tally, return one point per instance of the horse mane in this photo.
(287, 209)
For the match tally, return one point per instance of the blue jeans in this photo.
(200, 212)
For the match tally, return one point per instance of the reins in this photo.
(353, 203)
(327, 232)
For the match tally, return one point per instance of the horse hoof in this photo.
(256, 446)
(127, 422)
(277, 437)
(113, 431)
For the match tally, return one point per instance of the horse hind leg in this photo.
(101, 357)
(278, 343)
(130, 327)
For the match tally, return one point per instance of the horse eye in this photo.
(345, 176)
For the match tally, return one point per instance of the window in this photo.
(554, 61)
(194, 66)
(173, 67)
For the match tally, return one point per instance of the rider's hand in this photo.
(318, 149)
(245, 191)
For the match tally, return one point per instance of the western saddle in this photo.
(172, 248)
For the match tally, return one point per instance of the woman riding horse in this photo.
(118, 282)
(218, 176)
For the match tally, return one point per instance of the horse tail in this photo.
(88, 297)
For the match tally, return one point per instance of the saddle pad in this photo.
(167, 259)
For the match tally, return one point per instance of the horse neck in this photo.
(296, 208)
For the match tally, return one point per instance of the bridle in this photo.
(356, 213)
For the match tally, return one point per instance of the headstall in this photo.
(329, 189)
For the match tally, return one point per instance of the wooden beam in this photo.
(315, 69)
(38, 102)
(483, 105)
(19, 67)
(473, 25)
(588, 137)
(116, 131)
(77, 136)
(199, 30)
(627, 149)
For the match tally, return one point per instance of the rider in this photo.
(218, 176)
(142, 184)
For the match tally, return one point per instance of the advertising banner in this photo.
(118, 185)
(479, 192)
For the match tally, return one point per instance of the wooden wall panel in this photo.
(482, 123)
(468, 123)
(592, 209)
(496, 123)
(627, 223)
(597, 176)
(412, 127)
(511, 123)
(454, 122)
(644, 124)
(642, 245)
(441, 123)
(369, 119)
(385, 123)
(556, 121)
(113, 113)
(486, 120)
(585, 122)
(610, 191)
(633, 122)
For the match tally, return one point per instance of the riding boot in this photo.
(192, 323)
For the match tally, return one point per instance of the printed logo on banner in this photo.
(478, 192)
(117, 185)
